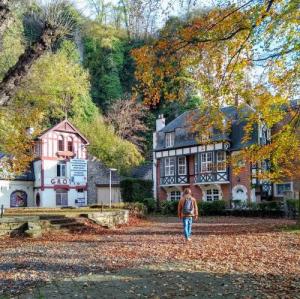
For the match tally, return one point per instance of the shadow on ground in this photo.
(163, 283)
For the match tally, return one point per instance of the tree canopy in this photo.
(245, 53)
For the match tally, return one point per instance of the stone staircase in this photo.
(59, 222)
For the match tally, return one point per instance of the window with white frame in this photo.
(169, 166)
(182, 166)
(282, 188)
(174, 195)
(212, 194)
(170, 137)
(61, 169)
(207, 162)
(61, 197)
(221, 161)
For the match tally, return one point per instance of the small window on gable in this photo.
(60, 145)
(70, 144)
(170, 137)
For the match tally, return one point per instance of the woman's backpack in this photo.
(188, 207)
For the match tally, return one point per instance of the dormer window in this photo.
(170, 137)
(60, 145)
(70, 144)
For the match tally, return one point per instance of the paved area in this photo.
(228, 257)
(164, 281)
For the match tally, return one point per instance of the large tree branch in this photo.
(14, 76)
(56, 22)
(275, 55)
(184, 43)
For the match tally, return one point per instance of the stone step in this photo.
(69, 226)
(61, 220)
(53, 217)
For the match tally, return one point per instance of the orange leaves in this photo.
(253, 251)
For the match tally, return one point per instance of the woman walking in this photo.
(187, 211)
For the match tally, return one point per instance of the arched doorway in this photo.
(239, 192)
(18, 199)
(38, 200)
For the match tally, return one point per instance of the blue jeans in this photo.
(187, 226)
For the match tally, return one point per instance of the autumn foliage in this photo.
(233, 55)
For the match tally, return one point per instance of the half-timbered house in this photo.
(58, 175)
(185, 159)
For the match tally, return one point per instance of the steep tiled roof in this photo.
(184, 138)
(142, 172)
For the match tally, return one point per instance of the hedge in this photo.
(205, 208)
(212, 208)
(293, 207)
(169, 207)
(135, 190)
(261, 209)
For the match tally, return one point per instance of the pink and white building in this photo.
(59, 175)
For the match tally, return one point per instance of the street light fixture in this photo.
(110, 171)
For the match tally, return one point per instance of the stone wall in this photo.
(15, 225)
(110, 219)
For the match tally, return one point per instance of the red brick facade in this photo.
(242, 178)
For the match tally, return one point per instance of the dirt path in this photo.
(228, 257)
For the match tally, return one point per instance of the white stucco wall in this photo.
(8, 187)
(48, 197)
(37, 166)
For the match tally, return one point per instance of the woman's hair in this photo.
(187, 191)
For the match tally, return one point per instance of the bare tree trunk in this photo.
(125, 12)
(14, 76)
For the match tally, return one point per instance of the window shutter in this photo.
(58, 169)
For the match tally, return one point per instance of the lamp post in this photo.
(110, 171)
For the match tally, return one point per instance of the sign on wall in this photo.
(78, 171)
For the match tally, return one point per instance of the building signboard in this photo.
(78, 171)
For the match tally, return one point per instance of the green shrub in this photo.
(293, 207)
(169, 207)
(210, 208)
(252, 205)
(134, 190)
(150, 203)
(261, 209)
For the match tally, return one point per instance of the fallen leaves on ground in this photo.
(221, 245)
